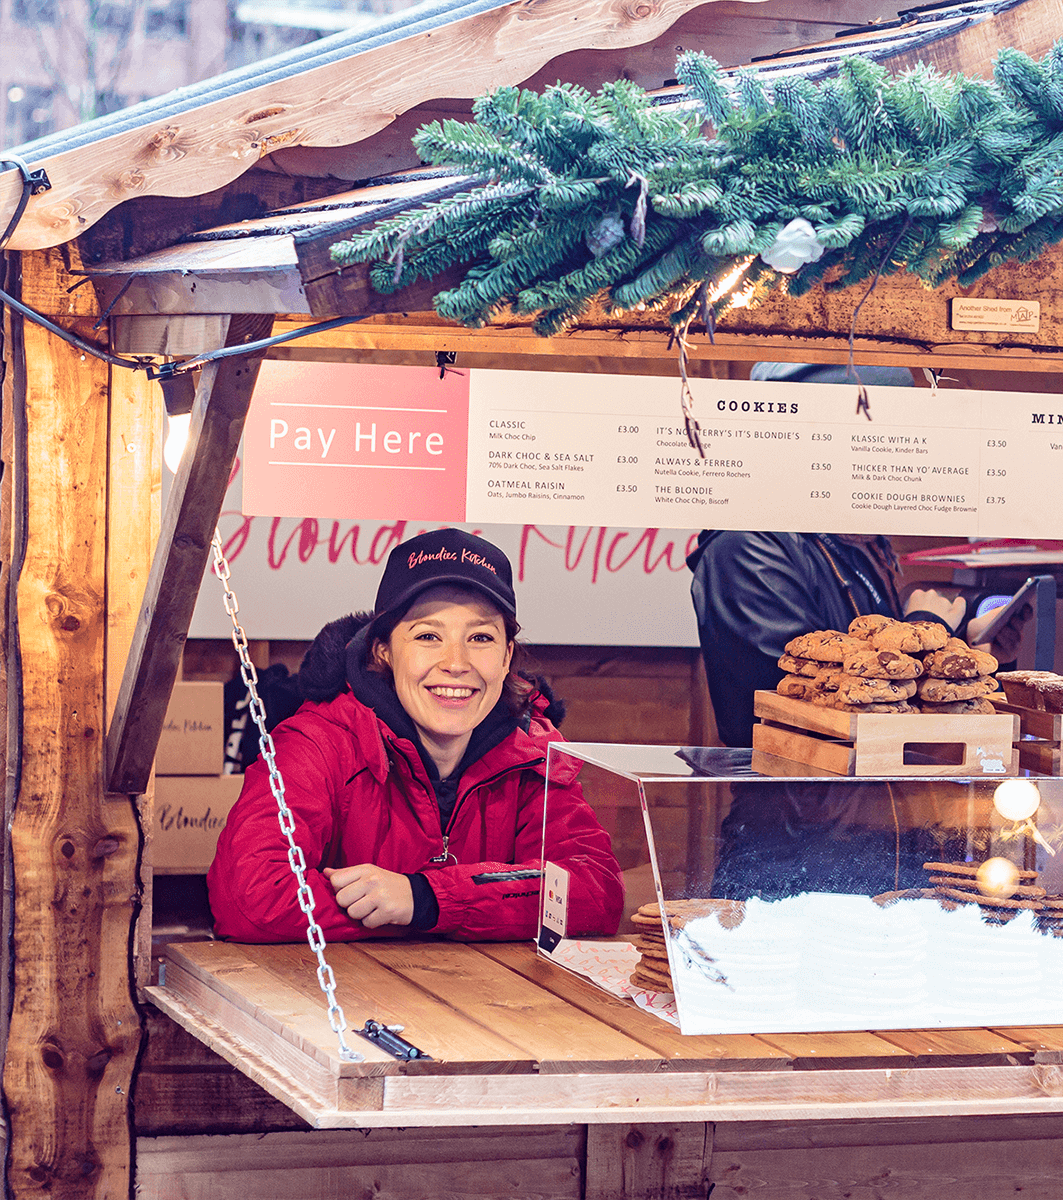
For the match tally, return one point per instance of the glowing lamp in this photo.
(179, 394)
(997, 877)
(1016, 799)
(176, 440)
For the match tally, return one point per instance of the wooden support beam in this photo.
(649, 1162)
(12, 392)
(645, 351)
(74, 1032)
(134, 490)
(222, 400)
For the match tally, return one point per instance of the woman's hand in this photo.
(372, 895)
(950, 608)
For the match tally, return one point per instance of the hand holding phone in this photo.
(987, 628)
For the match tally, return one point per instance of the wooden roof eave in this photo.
(294, 275)
(281, 263)
(166, 147)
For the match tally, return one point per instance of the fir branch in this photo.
(579, 196)
(624, 261)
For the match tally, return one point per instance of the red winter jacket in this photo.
(359, 793)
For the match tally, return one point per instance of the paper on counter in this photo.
(608, 965)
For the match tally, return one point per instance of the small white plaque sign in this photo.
(996, 316)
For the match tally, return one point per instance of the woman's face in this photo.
(449, 657)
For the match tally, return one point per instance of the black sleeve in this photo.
(425, 904)
(752, 593)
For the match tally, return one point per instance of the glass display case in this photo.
(778, 904)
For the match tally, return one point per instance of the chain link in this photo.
(296, 859)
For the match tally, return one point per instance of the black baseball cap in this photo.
(445, 556)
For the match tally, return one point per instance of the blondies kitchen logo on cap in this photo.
(446, 556)
(439, 556)
(443, 554)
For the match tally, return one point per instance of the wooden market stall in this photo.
(204, 221)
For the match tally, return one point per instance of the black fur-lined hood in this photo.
(323, 673)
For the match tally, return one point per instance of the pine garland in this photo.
(612, 197)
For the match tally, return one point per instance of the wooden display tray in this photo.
(885, 744)
(1040, 734)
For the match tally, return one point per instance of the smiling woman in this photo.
(415, 774)
(448, 658)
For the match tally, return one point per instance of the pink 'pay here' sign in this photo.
(356, 440)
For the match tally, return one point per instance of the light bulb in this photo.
(1016, 799)
(997, 877)
(176, 440)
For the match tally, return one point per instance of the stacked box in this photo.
(192, 796)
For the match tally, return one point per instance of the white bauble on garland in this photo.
(795, 245)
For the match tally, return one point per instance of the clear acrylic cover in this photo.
(805, 904)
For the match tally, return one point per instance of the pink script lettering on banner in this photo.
(576, 584)
(351, 439)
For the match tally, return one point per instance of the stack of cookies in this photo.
(652, 971)
(884, 665)
(816, 671)
(959, 882)
(957, 679)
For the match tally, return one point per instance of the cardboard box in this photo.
(190, 811)
(193, 738)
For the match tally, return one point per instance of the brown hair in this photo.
(516, 689)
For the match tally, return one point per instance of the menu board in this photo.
(595, 449)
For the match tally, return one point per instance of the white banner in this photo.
(792, 457)
(609, 452)
(576, 585)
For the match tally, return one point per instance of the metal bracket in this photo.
(387, 1038)
(39, 182)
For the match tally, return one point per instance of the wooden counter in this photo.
(517, 1040)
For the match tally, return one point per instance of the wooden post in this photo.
(648, 1162)
(12, 381)
(222, 400)
(134, 489)
(74, 1031)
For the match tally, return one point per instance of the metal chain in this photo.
(296, 860)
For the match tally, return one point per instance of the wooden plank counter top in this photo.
(513, 1038)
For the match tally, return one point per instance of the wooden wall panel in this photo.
(134, 500)
(944, 1158)
(74, 1029)
(986, 1169)
(183, 1087)
(649, 1162)
(543, 1162)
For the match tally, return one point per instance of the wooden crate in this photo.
(1038, 743)
(885, 744)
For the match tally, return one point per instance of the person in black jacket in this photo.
(753, 592)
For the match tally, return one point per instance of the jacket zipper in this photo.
(441, 859)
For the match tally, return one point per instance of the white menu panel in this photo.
(561, 448)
